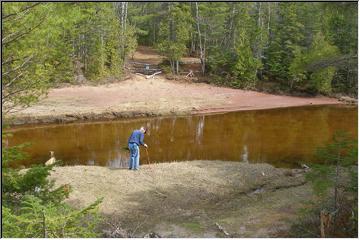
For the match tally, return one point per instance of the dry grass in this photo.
(184, 195)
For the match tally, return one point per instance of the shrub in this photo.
(33, 208)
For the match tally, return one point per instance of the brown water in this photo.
(282, 137)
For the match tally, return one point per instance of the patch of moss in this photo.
(193, 226)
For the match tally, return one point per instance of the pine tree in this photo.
(341, 152)
(32, 207)
(314, 79)
(288, 35)
(174, 33)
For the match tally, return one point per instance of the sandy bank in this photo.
(187, 199)
(141, 97)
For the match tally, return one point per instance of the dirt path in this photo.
(187, 199)
(151, 56)
(140, 97)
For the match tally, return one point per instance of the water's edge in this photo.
(113, 115)
(28, 121)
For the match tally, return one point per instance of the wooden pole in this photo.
(325, 219)
(322, 227)
(147, 154)
(44, 225)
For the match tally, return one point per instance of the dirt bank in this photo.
(187, 199)
(141, 97)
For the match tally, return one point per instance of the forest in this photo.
(292, 49)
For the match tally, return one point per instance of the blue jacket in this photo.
(136, 137)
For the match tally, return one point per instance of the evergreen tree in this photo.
(32, 207)
(174, 33)
(288, 35)
(314, 79)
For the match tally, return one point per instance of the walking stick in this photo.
(147, 154)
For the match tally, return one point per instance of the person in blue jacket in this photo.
(135, 140)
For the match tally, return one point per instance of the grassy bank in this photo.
(191, 199)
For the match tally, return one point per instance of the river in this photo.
(283, 137)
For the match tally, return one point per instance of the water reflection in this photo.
(245, 154)
(282, 137)
(200, 130)
(120, 161)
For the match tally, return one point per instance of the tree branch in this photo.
(25, 88)
(9, 60)
(13, 80)
(323, 63)
(21, 34)
(27, 60)
(21, 10)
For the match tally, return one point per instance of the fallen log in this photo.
(190, 74)
(153, 75)
(143, 75)
(222, 229)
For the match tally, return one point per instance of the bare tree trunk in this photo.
(121, 9)
(204, 51)
(123, 29)
(260, 27)
(201, 46)
(154, 32)
(233, 26)
(322, 224)
(269, 18)
(260, 22)
(193, 46)
(125, 19)
(102, 51)
(172, 36)
(325, 220)
(172, 66)
(336, 182)
(259, 50)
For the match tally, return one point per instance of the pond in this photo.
(282, 137)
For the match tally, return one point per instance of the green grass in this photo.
(193, 226)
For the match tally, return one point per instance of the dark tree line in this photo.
(309, 47)
(301, 46)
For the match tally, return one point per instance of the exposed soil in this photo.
(147, 55)
(187, 199)
(140, 97)
(151, 56)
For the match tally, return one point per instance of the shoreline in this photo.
(33, 121)
(139, 97)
